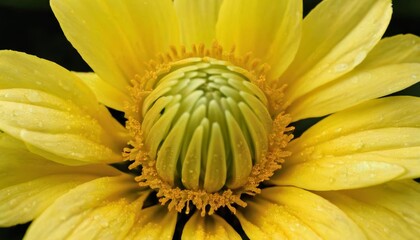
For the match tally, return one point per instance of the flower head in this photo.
(211, 92)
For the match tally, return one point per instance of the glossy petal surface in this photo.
(336, 37)
(269, 29)
(393, 65)
(388, 211)
(208, 227)
(293, 213)
(30, 183)
(369, 144)
(54, 113)
(116, 38)
(109, 209)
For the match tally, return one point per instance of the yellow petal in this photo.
(18, 165)
(395, 145)
(197, 20)
(41, 99)
(400, 111)
(116, 37)
(333, 173)
(292, 213)
(389, 211)
(394, 64)
(111, 208)
(336, 37)
(69, 149)
(23, 202)
(208, 227)
(270, 29)
(29, 183)
(105, 92)
(154, 223)
(369, 144)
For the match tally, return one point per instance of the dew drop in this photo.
(359, 145)
(359, 58)
(341, 67)
(63, 85)
(104, 224)
(355, 80)
(33, 97)
(12, 202)
(367, 76)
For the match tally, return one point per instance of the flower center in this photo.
(206, 125)
(206, 128)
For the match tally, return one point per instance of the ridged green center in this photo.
(206, 125)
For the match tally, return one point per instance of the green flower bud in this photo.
(206, 125)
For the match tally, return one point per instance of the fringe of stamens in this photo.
(215, 51)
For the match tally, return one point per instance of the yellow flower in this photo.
(211, 91)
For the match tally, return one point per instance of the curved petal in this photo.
(54, 113)
(269, 29)
(208, 227)
(111, 208)
(369, 144)
(197, 20)
(336, 37)
(30, 183)
(154, 223)
(116, 37)
(389, 211)
(394, 64)
(292, 213)
(23, 202)
(105, 92)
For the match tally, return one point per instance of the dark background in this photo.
(29, 26)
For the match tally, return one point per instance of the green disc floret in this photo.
(206, 125)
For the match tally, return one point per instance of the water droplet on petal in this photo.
(33, 97)
(12, 202)
(359, 58)
(341, 67)
(104, 224)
